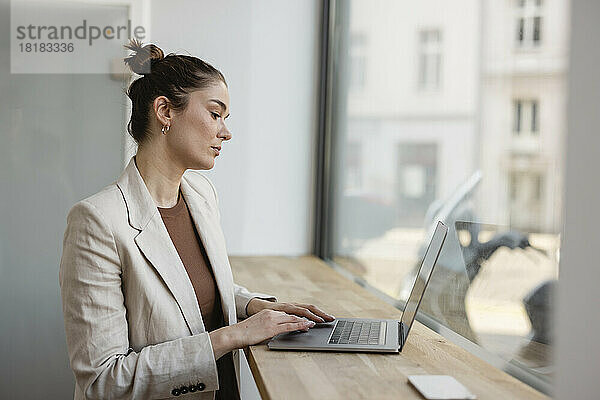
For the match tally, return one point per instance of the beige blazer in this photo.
(132, 320)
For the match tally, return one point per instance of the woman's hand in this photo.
(308, 311)
(259, 327)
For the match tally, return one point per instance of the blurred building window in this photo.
(417, 171)
(534, 117)
(525, 119)
(430, 59)
(529, 23)
(358, 60)
(526, 200)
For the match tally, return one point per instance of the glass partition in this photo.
(62, 140)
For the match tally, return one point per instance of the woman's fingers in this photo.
(268, 323)
(295, 326)
(317, 311)
(281, 318)
(308, 311)
(302, 311)
(295, 320)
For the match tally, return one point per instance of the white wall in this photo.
(268, 51)
(578, 319)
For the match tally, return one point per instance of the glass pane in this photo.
(62, 140)
(404, 158)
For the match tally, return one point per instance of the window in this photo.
(358, 60)
(529, 23)
(517, 117)
(526, 200)
(417, 164)
(400, 160)
(525, 119)
(534, 117)
(430, 59)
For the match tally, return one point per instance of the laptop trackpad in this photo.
(317, 335)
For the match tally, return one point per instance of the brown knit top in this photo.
(184, 235)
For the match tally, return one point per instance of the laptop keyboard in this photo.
(356, 332)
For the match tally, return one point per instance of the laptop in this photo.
(368, 335)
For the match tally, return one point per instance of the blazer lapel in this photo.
(154, 241)
(208, 229)
(156, 245)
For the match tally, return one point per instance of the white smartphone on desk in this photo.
(440, 387)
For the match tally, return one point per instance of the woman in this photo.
(149, 302)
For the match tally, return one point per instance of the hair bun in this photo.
(142, 58)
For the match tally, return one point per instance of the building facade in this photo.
(523, 124)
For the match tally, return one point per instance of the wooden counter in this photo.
(329, 375)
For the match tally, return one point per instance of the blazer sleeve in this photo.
(97, 330)
(243, 297)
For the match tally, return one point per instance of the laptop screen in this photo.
(429, 260)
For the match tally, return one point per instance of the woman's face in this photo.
(197, 132)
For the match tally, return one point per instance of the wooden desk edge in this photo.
(261, 380)
(258, 378)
